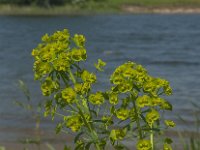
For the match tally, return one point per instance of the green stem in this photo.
(61, 115)
(97, 146)
(152, 137)
(137, 120)
(92, 131)
(72, 76)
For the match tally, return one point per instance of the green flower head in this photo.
(113, 98)
(69, 95)
(170, 123)
(122, 113)
(144, 145)
(83, 88)
(78, 54)
(167, 146)
(96, 99)
(152, 116)
(74, 123)
(49, 86)
(88, 77)
(125, 87)
(117, 134)
(143, 101)
(99, 66)
(79, 40)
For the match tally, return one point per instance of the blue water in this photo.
(167, 45)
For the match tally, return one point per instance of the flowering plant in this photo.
(130, 109)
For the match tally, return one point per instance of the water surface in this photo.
(167, 45)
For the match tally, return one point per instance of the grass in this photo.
(156, 3)
(107, 6)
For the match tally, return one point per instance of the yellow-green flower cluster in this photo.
(99, 66)
(155, 85)
(123, 76)
(79, 40)
(122, 113)
(69, 95)
(147, 101)
(96, 99)
(107, 119)
(170, 123)
(49, 86)
(130, 74)
(117, 134)
(56, 52)
(82, 88)
(113, 98)
(74, 122)
(88, 77)
(152, 116)
(167, 146)
(78, 54)
(143, 101)
(144, 145)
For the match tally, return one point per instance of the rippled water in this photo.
(167, 45)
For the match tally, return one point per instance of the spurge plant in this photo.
(130, 110)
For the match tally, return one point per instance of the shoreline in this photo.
(161, 9)
(70, 10)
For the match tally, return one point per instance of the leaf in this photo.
(143, 118)
(104, 132)
(135, 87)
(120, 147)
(168, 141)
(98, 120)
(53, 111)
(167, 106)
(151, 129)
(30, 141)
(122, 121)
(79, 146)
(48, 106)
(77, 66)
(58, 128)
(94, 112)
(2, 148)
(112, 110)
(77, 137)
(67, 148)
(25, 89)
(195, 105)
(112, 141)
(105, 95)
(192, 144)
(87, 146)
(20, 104)
(50, 146)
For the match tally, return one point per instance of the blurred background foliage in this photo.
(45, 3)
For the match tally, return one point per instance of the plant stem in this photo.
(72, 76)
(152, 137)
(92, 131)
(137, 120)
(97, 146)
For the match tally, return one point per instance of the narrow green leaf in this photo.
(87, 146)
(77, 137)
(50, 147)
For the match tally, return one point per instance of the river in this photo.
(167, 45)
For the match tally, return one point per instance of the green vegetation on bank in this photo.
(70, 7)
(156, 3)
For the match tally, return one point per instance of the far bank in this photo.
(94, 10)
